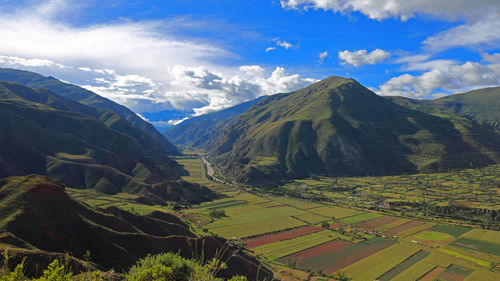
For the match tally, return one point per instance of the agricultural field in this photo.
(286, 232)
(334, 211)
(472, 193)
(290, 246)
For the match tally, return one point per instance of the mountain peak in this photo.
(332, 82)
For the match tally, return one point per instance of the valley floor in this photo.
(349, 225)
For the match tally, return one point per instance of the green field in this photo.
(288, 247)
(376, 265)
(360, 218)
(431, 238)
(334, 211)
(312, 218)
(477, 245)
(450, 229)
(251, 219)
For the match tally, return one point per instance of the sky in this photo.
(200, 56)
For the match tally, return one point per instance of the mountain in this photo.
(81, 151)
(338, 127)
(481, 105)
(95, 238)
(201, 132)
(86, 97)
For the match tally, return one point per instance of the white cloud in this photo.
(284, 44)
(495, 57)
(361, 57)
(143, 65)
(13, 61)
(404, 9)
(322, 56)
(485, 32)
(220, 91)
(452, 78)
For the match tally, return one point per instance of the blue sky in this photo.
(205, 55)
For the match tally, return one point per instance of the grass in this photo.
(334, 211)
(256, 228)
(432, 236)
(482, 275)
(312, 218)
(381, 262)
(291, 246)
(297, 203)
(360, 218)
(450, 229)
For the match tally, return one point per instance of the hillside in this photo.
(81, 151)
(202, 132)
(86, 97)
(96, 238)
(339, 127)
(479, 105)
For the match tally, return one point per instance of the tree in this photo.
(325, 225)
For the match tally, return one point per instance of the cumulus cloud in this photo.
(143, 65)
(322, 56)
(220, 91)
(453, 78)
(361, 57)
(404, 9)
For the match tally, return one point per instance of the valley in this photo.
(323, 227)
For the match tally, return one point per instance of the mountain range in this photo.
(337, 127)
(108, 109)
(83, 147)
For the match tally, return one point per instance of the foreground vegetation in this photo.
(166, 266)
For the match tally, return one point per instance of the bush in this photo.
(217, 213)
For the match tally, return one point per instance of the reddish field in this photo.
(401, 228)
(376, 223)
(330, 247)
(335, 225)
(280, 236)
(432, 275)
(335, 255)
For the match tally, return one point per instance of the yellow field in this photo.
(414, 272)
(288, 247)
(416, 229)
(485, 235)
(377, 264)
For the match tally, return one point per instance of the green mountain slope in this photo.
(40, 221)
(81, 151)
(202, 132)
(338, 127)
(481, 105)
(86, 97)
